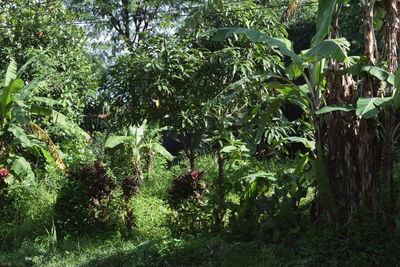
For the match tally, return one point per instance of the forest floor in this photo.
(362, 245)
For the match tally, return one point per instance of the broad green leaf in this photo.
(381, 74)
(46, 100)
(57, 118)
(344, 107)
(6, 95)
(369, 107)
(20, 113)
(283, 44)
(23, 68)
(396, 96)
(326, 9)
(252, 177)
(21, 167)
(114, 141)
(20, 134)
(11, 74)
(26, 91)
(331, 48)
(228, 149)
(159, 149)
(308, 143)
(137, 133)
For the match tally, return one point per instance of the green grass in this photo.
(364, 245)
(152, 243)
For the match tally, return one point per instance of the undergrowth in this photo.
(31, 239)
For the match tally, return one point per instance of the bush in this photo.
(3, 189)
(88, 200)
(187, 186)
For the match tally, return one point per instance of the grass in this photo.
(364, 245)
(153, 242)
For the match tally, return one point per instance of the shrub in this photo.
(3, 190)
(130, 187)
(185, 187)
(192, 213)
(88, 199)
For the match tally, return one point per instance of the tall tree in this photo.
(128, 22)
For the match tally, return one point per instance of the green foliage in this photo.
(183, 82)
(57, 52)
(17, 106)
(151, 215)
(233, 91)
(28, 213)
(88, 201)
(142, 144)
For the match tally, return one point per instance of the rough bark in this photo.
(391, 29)
(351, 142)
(390, 54)
(371, 50)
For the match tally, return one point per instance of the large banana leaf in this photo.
(137, 133)
(159, 149)
(366, 107)
(21, 136)
(326, 9)
(56, 116)
(6, 96)
(21, 168)
(11, 74)
(114, 140)
(331, 48)
(370, 107)
(344, 107)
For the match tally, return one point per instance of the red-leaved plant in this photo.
(186, 186)
(130, 187)
(97, 186)
(3, 187)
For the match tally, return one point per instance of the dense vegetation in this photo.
(199, 133)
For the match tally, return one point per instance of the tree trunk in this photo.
(150, 158)
(391, 29)
(390, 54)
(139, 170)
(351, 142)
(221, 186)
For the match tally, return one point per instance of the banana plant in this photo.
(139, 141)
(18, 132)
